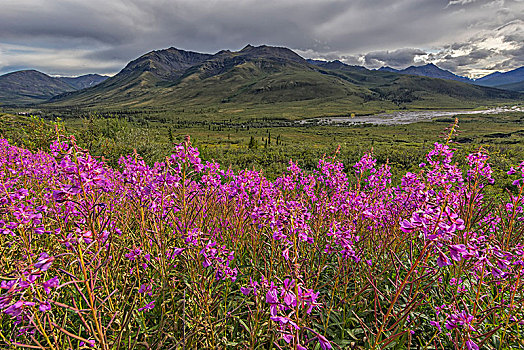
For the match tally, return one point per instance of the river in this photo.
(405, 117)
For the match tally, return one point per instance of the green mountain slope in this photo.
(84, 81)
(513, 87)
(499, 79)
(271, 79)
(32, 87)
(29, 86)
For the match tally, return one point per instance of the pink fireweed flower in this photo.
(44, 307)
(457, 251)
(284, 321)
(30, 278)
(52, 283)
(90, 343)
(436, 324)
(65, 193)
(44, 262)
(134, 254)
(287, 294)
(272, 299)
(148, 306)
(18, 307)
(8, 284)
(145, 288)
(324, 343)
(462, 319)
(253, 287)
(471, 345)
(442, 260)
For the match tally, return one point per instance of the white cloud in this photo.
(460, 2)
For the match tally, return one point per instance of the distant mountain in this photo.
(271, 78)
(504, 81)
(513, 87)
(336, 64)
(31, 86)
(315, 62)
(84, 81)
(432, 71)
(165, 64)
(499, 79)
(388, 69)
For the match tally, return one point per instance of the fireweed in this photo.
(190, 255)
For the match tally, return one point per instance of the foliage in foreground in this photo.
(187, 255)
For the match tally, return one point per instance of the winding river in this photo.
(405, 117)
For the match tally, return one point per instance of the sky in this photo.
(69, 37)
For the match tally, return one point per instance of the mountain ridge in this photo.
(31, 86)
(500, 79)
(263, 75)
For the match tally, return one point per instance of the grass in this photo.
(152, 134)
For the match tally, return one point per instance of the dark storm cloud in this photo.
(74, 37)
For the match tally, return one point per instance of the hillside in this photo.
(511, 80)
(31, 86)
(84, 81)
(501, 80)
(253, 75)
(432, 71)
(272, 79)
(513, 87)
(428, 70)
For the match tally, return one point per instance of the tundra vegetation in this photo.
(184, 253)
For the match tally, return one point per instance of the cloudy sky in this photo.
(70, 37)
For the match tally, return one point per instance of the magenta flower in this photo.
(17, 308)
(436, 324)
(44, 262)
(271, 295)
(471, 345)
(457, 251)
(44, 307)
(284, 321)
(148, 306)
(443, 260)
(52, 283)
(287, 294)
(324, 343)
(462, 319)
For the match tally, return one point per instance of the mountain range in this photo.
(511, 80)
(273, 79)
(31, 86)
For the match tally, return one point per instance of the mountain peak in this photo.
(388, 69)
(499, 78)
(167, 63)
(27, 72)
(247, 47)
(30, 86)
(272, 52)
(433, 71)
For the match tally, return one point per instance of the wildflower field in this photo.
(186, 255)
